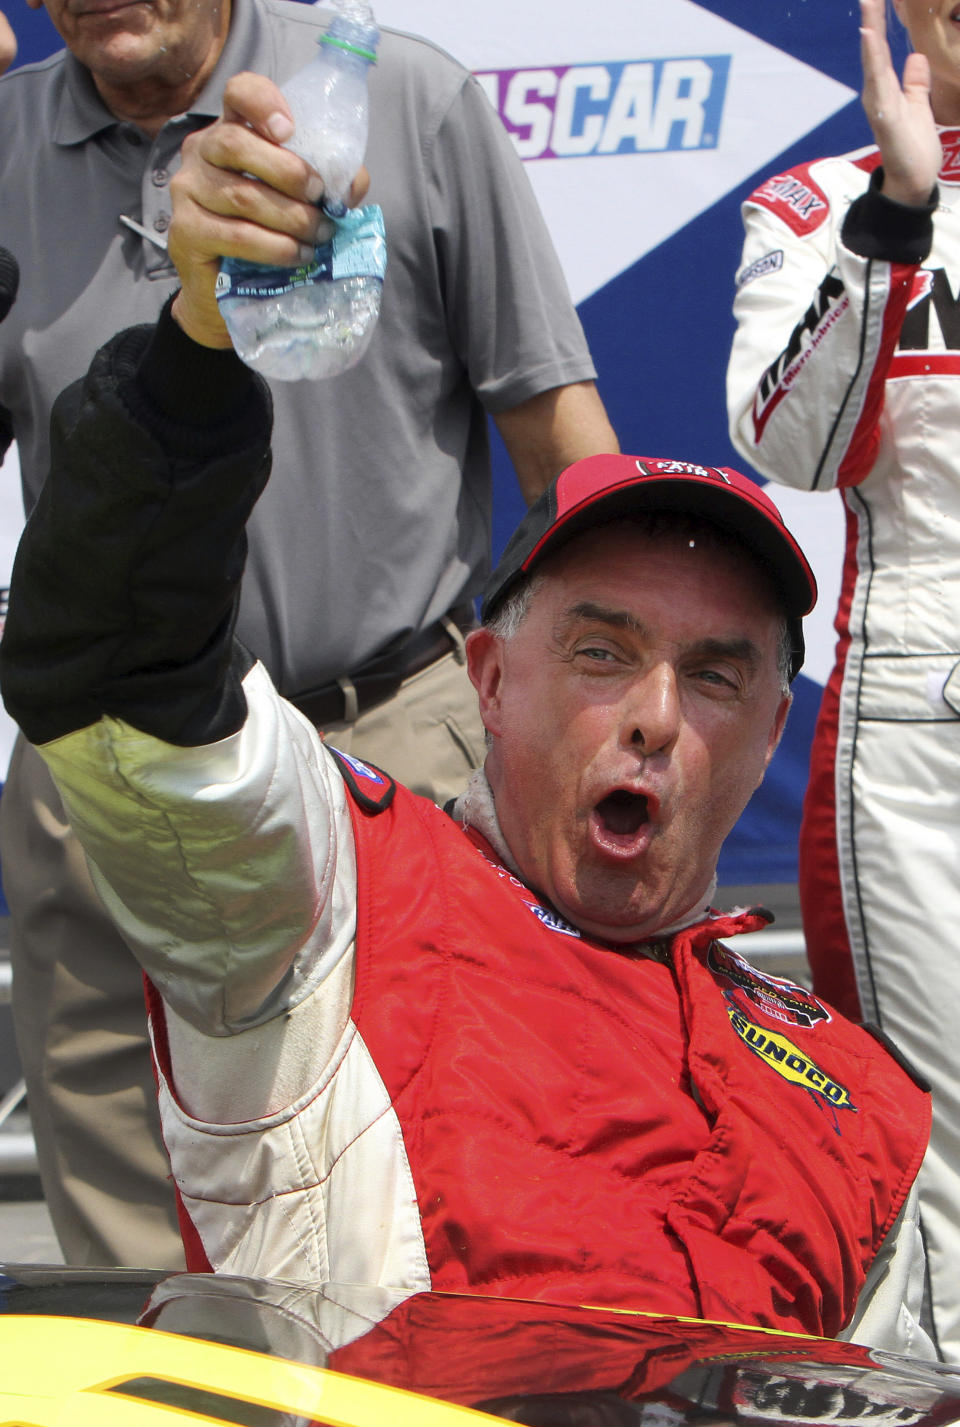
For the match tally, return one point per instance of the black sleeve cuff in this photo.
(203, 400)
(878, 227)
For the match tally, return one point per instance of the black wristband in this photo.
(202, 399)
(879, 227)
(192, 383)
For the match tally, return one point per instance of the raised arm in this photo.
(195, 791)
(828, 268)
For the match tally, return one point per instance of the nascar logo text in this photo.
(621, 107)
(787, 1060)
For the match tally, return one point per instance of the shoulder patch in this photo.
(369, 787)
(795, 199)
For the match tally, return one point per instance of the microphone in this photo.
(9, 281)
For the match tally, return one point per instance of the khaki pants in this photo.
(77, 992)
(429, 737)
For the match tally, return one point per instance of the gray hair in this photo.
(513, 611)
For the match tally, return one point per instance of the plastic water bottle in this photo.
(316, 320)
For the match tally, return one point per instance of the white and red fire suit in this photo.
(431, 1080)
(382, 1057)
(845, 374)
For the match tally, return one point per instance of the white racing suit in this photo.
(845, 374)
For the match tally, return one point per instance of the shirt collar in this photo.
(81, 113)
(475, 807)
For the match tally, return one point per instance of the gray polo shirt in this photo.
(377, 516)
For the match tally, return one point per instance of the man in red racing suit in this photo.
(503, 1051)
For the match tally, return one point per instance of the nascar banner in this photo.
(643, 124)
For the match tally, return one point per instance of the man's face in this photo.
(632, 715)
(123, 42)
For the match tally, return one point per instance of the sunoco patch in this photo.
(782, 1000)
(788, 1060)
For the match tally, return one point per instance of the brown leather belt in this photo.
(379, 678)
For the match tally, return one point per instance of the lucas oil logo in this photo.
(788, 1060)
(619, 107)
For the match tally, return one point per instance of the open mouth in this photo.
(622, 813)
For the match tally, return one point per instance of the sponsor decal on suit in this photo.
(769, 263)
(787, 1059)
(782, 1000)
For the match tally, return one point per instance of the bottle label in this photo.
(357, 248)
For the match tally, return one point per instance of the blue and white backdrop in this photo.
(643, 124)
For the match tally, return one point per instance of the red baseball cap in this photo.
(604, 488)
